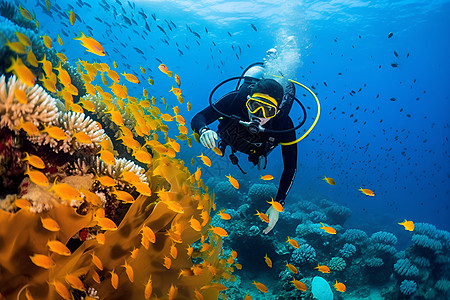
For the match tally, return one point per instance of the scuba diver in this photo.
(253, 119)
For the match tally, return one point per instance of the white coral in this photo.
(39, 109)
(79, 122)
(101, 168)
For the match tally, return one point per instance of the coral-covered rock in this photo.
(225, 192)
(304, 254)
(337, 264)
(354, 236)
(374, 262)
(338, 214)
(348, 250)
(408, 287)
(260, 192)
(405, 268)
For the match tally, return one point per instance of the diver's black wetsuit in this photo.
(240, 139)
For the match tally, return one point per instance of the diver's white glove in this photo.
(207, 139)
(273, 215)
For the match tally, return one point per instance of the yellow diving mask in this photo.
(262, 105)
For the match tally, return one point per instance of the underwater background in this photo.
(380, 71)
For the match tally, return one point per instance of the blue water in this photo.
(399, 149)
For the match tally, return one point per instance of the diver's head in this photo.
(264, 100)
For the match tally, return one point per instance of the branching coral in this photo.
(337, 264)
(405, 268)
(408, 287)
(304, 254)
(40, 106)
(354, 236)
(348, 250)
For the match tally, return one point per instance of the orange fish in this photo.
(34, 160)
(340, 287)
(62, 290)
(90, 44)
(224, 216)
(266, 177)
(131, 78)
(176, 91)
(43, 261)
(97, 262)
(409, 225)
(268, 261)
(366, 192)
(291, 268)
(47, 41)
(167, 262)
(163, 68)
(299, 285)
(129, 271)
(260, 286)
(58, 248)
(54, 132)
(293, 242)
(329, 180)
(72, 17)
(25, 13)
(219, 231)
(323, 269)
(74, 282)
(148, 288)
(206, 160)
(21, 71)
(37, 177)
(106, 224)
(148, 233)
(276, 205)
(114, 279)
(328, 229)
(195, 224)
(262, 216)
(50, 224)
(233, 181)
(177, 80)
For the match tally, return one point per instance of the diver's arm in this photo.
(289, 171)
(289, 153)
(208, 115)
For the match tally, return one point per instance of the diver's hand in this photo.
(273, 215)
(207, 139)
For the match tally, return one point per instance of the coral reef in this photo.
(408, 287)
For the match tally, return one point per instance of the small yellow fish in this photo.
(367, 192)
(60, 41)
(58, 248)
(323, 269)
(224, 216)
(17, 47)
(21, 71)
(268, 261)
(339, 286)
(330, 181)
(260, 286)
(131, 78)
(266, 177)
(299, 285)
(74, 282)
(97, 262)
(37, 177)
(43, 261)
(50, 224)
(293, 242)
(114, 279)
(219, 231)
(25, 13)
(262, 216)
(47, 41)
(72, 17)
(31, 58)
(409, 225)
(163, 68)
(54, 132)
(328, 229)
(276, 205)
(177, 80)
(233, 181)
(34, 160)
(90, 44)
(206, 160)
(291, 268)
